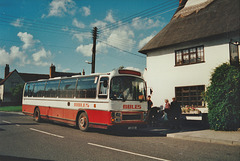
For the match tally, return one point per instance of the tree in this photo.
(223, 98)
(17, 93)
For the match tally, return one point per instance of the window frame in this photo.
(48, 91)
(185, 95)
(83, 90)
(67, 93)
(36, 91)
(187, 53)
(101, 82)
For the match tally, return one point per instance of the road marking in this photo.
(6, 122)
(128, 152)
(46, 133)
(9, 122)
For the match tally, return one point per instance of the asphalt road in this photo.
(23, 139)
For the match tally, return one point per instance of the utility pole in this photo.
(94, 32)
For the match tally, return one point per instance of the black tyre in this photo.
(83, 123)
(37, 116)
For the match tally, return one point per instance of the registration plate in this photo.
(132, 128)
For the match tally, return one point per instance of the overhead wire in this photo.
(121, 49)
(128, 60)
(154, 14)
(153, 11)
(38, 44)
(138, 16)
(52, 25)
(42, 27)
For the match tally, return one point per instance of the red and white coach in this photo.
(99, 100)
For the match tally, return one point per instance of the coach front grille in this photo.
(131, 117)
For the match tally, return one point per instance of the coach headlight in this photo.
(118, 114)
(117, 119)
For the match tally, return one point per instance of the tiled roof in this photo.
(32, 77)
(26, 76)
(65, 74)
(2, 81)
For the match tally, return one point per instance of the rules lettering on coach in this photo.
(132, 107)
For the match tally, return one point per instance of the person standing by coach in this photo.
(149, 104)
(176, 114)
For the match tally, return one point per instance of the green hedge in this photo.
(11, 108)
(223, 98)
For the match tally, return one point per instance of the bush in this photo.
(223, 98)
(17, 93)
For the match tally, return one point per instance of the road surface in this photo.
(21, 138)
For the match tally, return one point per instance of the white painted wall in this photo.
(162, 75)
(1, 91)
(194, 2)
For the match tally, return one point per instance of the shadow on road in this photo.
(18, 124)
(157, 130)
(13, 158)
(126, 133)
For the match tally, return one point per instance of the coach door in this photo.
(103, 88)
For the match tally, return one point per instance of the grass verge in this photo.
(11, 108)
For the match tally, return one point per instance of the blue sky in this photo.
(37, 33)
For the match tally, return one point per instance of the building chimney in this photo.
(83, 72)
(52, 71)
(6, 71)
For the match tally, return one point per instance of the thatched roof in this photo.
(214, 18)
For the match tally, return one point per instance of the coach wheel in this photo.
(37, 116)
(83, 123)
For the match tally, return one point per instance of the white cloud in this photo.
(5, 57)
(85, 11)
(109, 17)
(27, 39)
(101, 48)
(14, 54)
(116, 38)
(122, 38)
(144, 41)
(99, 24)
(40, 58)
(82, 36)
(61, 7)
(17, 23)
(78, 24)
(86, 50)
(145, 23)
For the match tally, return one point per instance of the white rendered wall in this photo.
(1, 91)
(162, 75)
(194, 2)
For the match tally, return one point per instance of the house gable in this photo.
(11, 81)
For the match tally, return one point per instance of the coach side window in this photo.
(29, 89)
(103, 87)
(67, 88)
(39, 89)
(51, 88)
(86, 87)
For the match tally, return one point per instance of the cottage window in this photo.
(190, 95)
(189, 56)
